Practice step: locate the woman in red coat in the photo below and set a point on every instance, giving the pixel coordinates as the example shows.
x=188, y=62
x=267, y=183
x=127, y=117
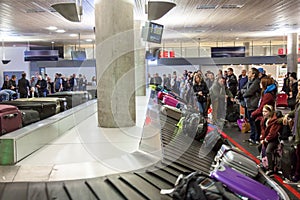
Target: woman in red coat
x=268, y=96
x=270, y=128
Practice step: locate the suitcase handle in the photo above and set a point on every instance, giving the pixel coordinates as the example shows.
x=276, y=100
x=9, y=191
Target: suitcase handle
x=9, y=116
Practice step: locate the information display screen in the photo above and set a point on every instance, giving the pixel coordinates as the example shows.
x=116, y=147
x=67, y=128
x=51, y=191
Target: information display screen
x=217, y=52
x=155, y=32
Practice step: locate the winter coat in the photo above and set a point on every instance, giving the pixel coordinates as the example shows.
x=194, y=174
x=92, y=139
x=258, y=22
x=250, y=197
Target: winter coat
x=268, y=98
x=232, y=84
x=201, y=87
x=252, y=94
x=271, y=131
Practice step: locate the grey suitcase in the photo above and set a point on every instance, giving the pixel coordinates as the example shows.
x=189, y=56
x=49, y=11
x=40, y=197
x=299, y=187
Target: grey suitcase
x=172, y=112
x=239, y=162
x=224, y=148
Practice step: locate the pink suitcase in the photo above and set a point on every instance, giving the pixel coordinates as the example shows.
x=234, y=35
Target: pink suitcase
x=10, y=119
x=160, y=95
x=170, y=101
x=282, y=100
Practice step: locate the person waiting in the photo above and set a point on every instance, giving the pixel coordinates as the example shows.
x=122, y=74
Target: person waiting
x=251, y=94
x=218, y=94
x=296, y=132
x=23, y=85
x=201, y=91
x=268, y=96
x=5, y=83
x=293, y=91
x=270, y=127
x=41, y=86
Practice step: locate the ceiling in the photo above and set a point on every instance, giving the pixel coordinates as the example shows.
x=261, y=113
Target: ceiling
x=205, y=20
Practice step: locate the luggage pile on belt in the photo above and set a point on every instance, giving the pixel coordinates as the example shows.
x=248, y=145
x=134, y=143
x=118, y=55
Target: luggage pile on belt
x=232, y=176
x=24, y=111
x=191, y=122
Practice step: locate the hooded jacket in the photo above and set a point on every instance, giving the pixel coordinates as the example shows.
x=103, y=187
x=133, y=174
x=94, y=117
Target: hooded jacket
x=267, y=98
x=271, y=131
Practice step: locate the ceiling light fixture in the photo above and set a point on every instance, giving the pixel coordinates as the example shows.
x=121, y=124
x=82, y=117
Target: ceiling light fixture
x=70, y=11
x=4, y=61
x=157, y=9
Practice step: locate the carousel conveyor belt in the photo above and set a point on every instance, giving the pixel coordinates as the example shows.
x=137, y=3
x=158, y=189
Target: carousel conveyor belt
x=180, y=155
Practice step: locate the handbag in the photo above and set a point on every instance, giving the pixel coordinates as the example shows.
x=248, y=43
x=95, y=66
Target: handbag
x=244, y=125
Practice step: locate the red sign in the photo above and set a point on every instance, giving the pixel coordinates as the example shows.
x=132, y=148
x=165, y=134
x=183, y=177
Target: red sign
x=281, y=51
x=172, y=54
x=165, y=54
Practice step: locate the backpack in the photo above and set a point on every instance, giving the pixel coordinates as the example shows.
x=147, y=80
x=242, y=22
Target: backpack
x=194, y=125
x=197, y=186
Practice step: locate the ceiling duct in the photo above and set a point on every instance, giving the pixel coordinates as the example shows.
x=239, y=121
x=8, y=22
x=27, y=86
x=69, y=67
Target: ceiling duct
x=70, y=11
x=207, y=7
x=157, y=9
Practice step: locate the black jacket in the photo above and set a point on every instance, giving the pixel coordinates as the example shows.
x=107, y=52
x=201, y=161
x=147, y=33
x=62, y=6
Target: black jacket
x=201, y=87
x=23, y=85
x=232, y=84
x=43, y=85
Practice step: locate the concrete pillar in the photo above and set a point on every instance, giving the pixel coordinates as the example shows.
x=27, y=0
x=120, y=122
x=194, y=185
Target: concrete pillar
x=139, y=56
x=247, y=54
x=115, y=63
x=292, y=51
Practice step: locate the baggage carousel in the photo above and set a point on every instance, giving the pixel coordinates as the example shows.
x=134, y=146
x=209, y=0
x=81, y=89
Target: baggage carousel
x=178, y=155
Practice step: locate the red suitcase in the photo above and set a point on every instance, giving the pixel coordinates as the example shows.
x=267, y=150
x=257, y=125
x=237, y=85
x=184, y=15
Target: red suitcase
x=10, y=119
x=282, y=100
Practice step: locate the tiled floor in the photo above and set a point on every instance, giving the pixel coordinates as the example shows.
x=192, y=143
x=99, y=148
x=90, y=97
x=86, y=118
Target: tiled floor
x=85, y=151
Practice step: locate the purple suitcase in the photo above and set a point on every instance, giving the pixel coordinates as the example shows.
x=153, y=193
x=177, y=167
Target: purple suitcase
x=168, y=100
x=10, y=119
x=242, y=184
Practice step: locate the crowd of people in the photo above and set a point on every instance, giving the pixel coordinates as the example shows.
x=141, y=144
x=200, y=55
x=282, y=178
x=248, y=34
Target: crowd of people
x=255, y=91
x=38, y=86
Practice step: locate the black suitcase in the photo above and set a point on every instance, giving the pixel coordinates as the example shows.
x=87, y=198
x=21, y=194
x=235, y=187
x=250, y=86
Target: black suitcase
x=61, y=103
x=29, y=116
x=233, y=112
x=74, y=98
x=288, y=160
x=45, y=109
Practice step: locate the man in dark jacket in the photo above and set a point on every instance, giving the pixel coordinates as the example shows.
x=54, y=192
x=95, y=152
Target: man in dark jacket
x=41, y=85
x=251, y=93
x=286, y=83
x=12, y=83
x=232, y=82
x=6, y=83
x=23, y=85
